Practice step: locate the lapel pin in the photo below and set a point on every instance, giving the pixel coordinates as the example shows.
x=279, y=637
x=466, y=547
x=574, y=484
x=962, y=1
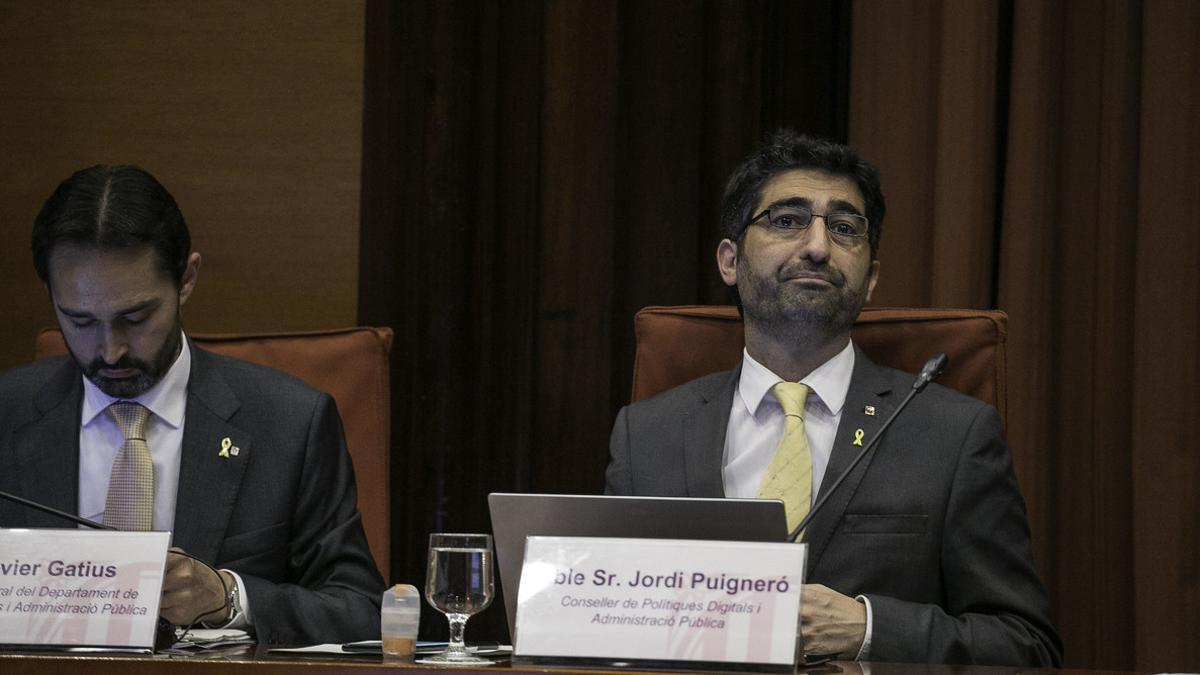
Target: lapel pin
x=858, y=436
x=869, y=411
x=228, y=448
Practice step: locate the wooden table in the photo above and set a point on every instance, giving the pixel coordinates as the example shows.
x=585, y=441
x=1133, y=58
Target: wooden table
x=256, y=661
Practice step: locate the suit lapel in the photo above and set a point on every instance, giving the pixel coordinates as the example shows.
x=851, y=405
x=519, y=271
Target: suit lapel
x=704, y=427
x=211, y=469
x=868, y=387
x=47, y=455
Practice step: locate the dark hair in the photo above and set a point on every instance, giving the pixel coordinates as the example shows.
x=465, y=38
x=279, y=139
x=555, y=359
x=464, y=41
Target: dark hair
x=785, y=150
x=112, y=207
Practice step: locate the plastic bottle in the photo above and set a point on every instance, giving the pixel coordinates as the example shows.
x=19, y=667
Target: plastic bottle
x=399, y=617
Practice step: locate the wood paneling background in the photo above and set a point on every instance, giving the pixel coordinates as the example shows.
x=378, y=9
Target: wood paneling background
x=249, y=113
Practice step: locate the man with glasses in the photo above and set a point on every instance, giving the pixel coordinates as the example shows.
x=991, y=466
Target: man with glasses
x=924, y=554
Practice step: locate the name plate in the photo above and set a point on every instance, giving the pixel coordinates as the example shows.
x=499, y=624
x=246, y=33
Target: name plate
x=656, y=602
x=80, y=588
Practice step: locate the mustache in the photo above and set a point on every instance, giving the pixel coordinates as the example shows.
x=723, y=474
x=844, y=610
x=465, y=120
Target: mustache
x=122, y=363
x=807, y=267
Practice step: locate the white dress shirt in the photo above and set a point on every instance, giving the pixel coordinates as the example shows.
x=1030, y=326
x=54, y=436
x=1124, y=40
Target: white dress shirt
x=757, y=423
x=100, y=439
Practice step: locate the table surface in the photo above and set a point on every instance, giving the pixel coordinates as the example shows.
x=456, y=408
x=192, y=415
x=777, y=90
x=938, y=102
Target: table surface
x=254, y=660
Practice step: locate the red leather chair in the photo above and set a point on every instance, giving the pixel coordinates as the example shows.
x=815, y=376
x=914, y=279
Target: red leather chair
x=677, y=344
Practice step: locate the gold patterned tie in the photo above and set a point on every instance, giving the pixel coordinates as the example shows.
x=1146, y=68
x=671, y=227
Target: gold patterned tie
x=789, y=476
x=130, y=502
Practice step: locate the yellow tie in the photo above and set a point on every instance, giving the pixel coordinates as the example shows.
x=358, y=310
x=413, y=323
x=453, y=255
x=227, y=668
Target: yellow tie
x=130, y=502
x=789, y=477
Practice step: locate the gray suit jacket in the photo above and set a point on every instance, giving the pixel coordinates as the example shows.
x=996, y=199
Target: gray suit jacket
x=930, y=526
x=282, y=513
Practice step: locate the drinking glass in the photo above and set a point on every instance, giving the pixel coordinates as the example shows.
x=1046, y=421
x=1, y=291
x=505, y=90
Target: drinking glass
x=459, y=584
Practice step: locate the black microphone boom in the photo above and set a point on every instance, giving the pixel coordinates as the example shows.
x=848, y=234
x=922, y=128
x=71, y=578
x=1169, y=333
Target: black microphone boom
x=931, y=371
x=55, y=512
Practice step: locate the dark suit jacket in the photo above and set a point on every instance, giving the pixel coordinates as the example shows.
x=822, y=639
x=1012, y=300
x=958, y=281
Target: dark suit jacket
x=282, y=513
x=930, y=526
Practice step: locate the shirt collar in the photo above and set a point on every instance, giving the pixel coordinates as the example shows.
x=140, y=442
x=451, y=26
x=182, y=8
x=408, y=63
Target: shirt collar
x=167, y=399
x=830, y=381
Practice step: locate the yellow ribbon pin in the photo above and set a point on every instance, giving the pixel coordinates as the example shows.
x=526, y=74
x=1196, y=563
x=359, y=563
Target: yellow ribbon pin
x=858, y=436
x=225, y=445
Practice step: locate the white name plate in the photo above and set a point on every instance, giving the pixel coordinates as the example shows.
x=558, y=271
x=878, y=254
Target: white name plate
x=654, y=602
x=93, y=588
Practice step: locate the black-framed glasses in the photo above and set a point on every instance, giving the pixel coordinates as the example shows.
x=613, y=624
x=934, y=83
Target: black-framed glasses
x=847, y=228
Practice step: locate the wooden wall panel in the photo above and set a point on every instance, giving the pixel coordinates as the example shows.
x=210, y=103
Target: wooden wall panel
x=249, y=113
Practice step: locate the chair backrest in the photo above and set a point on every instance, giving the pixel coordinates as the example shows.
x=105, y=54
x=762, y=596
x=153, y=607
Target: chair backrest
x=678, y=344
x=349, y=364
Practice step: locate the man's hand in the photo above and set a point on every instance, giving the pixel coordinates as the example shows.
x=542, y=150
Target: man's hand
x=831, y=623
x=190, y=589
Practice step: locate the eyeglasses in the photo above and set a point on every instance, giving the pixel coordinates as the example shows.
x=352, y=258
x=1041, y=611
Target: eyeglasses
x=845, y=228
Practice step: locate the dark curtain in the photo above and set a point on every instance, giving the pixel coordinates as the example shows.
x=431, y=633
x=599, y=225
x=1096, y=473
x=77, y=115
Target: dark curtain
x=536, y=171
x=1039, y=155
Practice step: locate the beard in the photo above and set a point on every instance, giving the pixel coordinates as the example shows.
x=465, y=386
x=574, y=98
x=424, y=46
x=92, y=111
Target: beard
x=149, y=372
x=799, y=312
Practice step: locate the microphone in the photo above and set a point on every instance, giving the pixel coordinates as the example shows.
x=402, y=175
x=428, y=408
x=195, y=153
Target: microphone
x=164, y=631
x=929, y=372
x=932, y=370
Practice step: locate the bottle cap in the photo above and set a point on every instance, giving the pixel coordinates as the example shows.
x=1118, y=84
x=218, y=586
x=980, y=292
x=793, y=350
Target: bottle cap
x=402, y=598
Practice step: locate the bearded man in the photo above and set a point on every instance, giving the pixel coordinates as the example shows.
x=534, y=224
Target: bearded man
x=923, y=554
x=140, y=429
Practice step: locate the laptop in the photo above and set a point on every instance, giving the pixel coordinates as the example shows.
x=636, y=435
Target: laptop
x=517, y=516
